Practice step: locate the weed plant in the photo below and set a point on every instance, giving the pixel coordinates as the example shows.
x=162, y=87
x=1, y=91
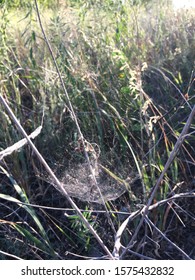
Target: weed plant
x=129, y=72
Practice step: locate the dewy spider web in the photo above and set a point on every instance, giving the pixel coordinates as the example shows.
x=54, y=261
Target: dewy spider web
x=78, y=182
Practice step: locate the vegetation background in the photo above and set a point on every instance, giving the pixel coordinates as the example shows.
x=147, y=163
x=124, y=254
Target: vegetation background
x=128, y=68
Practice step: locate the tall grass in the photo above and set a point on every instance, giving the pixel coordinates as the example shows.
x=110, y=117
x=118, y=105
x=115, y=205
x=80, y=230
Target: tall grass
x=129, y=73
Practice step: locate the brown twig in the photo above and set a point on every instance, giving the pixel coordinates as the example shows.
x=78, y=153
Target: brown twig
x=166, y=238
x=57, y=182
x=74, y=117
x=145, y=209
x=117, y=245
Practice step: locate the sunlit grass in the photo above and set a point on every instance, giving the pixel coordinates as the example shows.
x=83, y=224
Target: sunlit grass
x=129, y=73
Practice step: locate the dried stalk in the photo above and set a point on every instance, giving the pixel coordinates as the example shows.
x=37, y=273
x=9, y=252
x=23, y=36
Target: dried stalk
x=117, y=245
x=57, y=182
x=166, y=238
x=70, y=107
x=146, y=208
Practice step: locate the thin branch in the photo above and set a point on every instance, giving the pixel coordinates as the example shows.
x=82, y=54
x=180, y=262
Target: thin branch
x=118, y=245
x=71, y=109
x=57, y=182
x=153, y=206
x=10, y=255
x=174, y=152
x=166, y=238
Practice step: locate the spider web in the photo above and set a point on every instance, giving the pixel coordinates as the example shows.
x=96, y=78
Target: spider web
x=78, y=182
x=72, y=170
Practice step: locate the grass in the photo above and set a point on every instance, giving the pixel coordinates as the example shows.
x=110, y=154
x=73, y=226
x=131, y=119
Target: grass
x=129, y=74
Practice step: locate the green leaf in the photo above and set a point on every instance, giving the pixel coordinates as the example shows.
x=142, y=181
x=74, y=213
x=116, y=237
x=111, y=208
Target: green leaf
x=27, y=234
x=24, y=199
